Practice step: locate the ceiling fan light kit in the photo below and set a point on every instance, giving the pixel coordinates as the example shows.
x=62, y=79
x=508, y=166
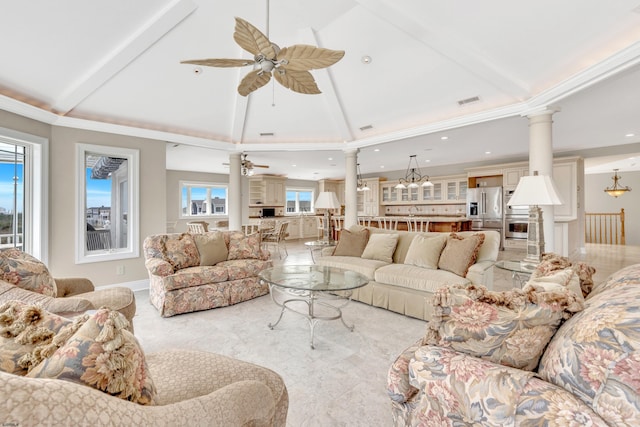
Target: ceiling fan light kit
x=289, y=66
x=413, y=177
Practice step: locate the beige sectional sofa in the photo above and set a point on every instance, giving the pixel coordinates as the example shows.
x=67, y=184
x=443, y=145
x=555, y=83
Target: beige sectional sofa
x=406, y=285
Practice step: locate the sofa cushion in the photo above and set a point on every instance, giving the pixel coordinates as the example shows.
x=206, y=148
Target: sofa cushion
x=595, y=354
x=425, y=251
x=211, y=247
x=511, y=328
x=460, y=253
x=242, y=246
x=195, y=276
x=352, y=243
x=26, y=272
x=24, y=326
x=418, y=278
x=244, y=268
x=102, y=354
x=363, y=266
x=179, y=250
x=63, y=306
x=381, y=247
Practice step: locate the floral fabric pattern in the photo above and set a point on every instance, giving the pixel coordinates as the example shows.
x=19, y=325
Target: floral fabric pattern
x=511, y=328
x=243, y=246
x=26, y=272
x=182, y=290
x=596, y=355
x=102, y=354
x=178, y=249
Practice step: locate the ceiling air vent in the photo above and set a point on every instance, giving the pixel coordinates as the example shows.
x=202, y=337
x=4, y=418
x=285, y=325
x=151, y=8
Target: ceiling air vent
x=468, y=101
x=367, y=127
x=266, y=133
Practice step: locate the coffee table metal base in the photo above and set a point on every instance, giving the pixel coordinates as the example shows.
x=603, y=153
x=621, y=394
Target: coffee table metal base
x=313, y=300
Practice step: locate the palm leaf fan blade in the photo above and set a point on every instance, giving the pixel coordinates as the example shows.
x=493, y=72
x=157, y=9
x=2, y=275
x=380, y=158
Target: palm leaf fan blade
x=252, y=81
x=221, y=62
x=297, y=81
x=302, y=57
x=252, y=40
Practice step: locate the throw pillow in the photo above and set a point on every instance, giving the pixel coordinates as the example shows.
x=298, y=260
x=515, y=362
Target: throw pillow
x=242, y=246
x=460, y=253
x=102, y=354
x=381, y=247
x=23, y=327
x=180, y=250
x=212, y=247
x=511, y=328
x=552, y=262
x=558, y=281
x=352, y=243
x=425, y=251
x=26, y=272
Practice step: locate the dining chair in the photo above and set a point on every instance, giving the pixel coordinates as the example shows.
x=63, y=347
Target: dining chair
x=277, y=238
x=387, y=223
x=198, y=227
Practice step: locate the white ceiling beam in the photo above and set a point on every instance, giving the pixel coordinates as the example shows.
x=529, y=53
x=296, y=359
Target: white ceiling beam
x=328, y=89
x=148, y=34
x=437, y=36
x=241, y=107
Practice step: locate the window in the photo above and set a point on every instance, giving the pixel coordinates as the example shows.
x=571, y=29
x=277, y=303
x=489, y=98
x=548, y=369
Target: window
x=299, y=200
x=108, y=213
x=202, y=199
x=23, y=160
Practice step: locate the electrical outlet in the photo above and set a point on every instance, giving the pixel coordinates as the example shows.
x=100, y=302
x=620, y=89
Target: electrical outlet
x=120, y=270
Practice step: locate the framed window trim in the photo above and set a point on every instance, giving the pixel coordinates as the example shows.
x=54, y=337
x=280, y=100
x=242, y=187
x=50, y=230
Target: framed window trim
x=189, y=184
x=299, y=190
x=132, y=249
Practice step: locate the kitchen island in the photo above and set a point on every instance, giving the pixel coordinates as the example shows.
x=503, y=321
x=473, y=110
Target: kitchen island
x=435, y=222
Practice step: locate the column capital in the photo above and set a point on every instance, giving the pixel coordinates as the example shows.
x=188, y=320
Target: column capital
x=546, y=111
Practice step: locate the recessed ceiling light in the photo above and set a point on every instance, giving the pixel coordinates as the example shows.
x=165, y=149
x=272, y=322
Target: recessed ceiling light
x=382, y=167
x=427, y=160
x=630, y=135
x=487, y=152
x=366, y=59
x=293, y=166
x=197, y=70
x=330, y=158
x=376, y=150
x=444, y=138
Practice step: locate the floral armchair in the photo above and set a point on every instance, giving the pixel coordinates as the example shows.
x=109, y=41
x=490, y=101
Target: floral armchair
x=587, y=375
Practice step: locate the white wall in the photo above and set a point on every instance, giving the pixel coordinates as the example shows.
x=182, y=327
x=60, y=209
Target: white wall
x=597, y=201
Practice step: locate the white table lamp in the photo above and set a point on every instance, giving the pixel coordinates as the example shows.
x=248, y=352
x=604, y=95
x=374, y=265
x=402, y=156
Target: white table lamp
x=327, y=200
x=534, y=191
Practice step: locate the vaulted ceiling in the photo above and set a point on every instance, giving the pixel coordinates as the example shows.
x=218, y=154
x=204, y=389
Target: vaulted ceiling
x=467, y=70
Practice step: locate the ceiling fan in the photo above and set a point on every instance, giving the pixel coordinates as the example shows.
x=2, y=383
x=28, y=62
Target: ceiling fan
x=246, y=166
x=290, y=65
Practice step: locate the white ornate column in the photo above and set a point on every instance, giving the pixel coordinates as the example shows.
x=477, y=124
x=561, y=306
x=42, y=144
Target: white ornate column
x=541, y=160
x=235, y=192
x=350, y=188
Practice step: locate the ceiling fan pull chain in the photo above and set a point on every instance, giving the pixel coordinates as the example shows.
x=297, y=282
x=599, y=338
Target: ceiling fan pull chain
x=273, y=93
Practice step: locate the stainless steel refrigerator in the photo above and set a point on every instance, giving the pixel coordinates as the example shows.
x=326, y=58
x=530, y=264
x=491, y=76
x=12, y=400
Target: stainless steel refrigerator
x=484, y=207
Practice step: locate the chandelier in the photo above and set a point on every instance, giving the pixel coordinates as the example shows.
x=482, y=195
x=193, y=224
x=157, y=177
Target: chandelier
x=616, y=190
x=362, y=186
x=414, y=178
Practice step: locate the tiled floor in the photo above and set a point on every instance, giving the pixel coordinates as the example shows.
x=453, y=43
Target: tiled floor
x=343, y=381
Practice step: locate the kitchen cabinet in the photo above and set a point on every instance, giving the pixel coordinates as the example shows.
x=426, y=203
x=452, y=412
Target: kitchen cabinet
x=456, y=190
x=511, y=176
x=309, y=226
x=369, y=201
x=389, y=193
x=266, y=191
x=294, y=228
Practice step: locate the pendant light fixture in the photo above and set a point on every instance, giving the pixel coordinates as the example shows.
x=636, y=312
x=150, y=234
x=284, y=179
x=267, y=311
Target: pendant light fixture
x=413, y=177
x=362, y=186
x=616, y=190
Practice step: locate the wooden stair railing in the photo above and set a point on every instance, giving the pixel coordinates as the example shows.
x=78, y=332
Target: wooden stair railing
x=605, y=228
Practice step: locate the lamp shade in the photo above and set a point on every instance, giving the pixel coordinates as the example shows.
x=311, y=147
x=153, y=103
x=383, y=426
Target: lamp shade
x=535, y=190
x=327, y=200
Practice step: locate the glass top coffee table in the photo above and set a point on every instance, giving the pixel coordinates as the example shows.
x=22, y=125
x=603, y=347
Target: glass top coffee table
x=319, y=245
x=315, y=292
x=520, y=273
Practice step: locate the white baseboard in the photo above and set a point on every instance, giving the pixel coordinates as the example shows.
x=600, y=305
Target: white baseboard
x=135, y=286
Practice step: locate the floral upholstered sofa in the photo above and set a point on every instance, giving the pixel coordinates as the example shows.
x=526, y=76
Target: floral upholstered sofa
x=588, y=374
x=192, y=272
